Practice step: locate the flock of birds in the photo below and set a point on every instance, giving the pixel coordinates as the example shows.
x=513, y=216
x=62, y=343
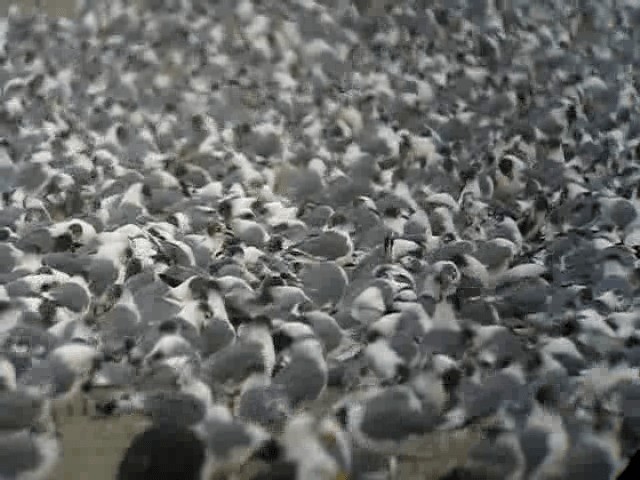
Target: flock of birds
x=226, y=211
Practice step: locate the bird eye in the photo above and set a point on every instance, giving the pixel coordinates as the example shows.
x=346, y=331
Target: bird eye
x=157, y=356
x=206, y=310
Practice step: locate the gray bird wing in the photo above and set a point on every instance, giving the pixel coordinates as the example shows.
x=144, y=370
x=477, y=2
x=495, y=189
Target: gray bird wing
x=70, y=295
x=390, y=416
x=302, y=378
x=18, y=410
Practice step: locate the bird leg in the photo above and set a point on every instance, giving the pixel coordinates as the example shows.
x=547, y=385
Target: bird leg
x=85, y=389
x=85, y=405
x=55, y=417
x=393, y=467
x=388, y=246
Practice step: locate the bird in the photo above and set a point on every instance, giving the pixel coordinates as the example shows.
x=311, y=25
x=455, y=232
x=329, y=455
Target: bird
x=252, y=353
x=166, y=450
x=629, y=470
x=66, y=371
x=383, y=420
x=325, y=283
x=425, y=214
x=229, y=441
x=264, y=403
x=333, y=243
x=29, y=453
x=317, y=447
x=161, y=406
x=301, y=366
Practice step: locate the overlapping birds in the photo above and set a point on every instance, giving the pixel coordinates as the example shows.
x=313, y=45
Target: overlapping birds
x=225, y=211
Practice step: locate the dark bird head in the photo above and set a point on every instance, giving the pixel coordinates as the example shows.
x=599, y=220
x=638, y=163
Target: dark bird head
x=197, y=123
x=281, y=341
x=215, y=228
x=232, y=249
x=451, y=379
x=342, y=416
x=448, y=237
x=469, y=173
x=146, y=190
x=337, y=219
x=468, y=334
x=571, y=114
x=121, y=134
x=448, y=164
x=275, y=244
x=165, y=450
x=586, y=295
x=129, y=343
x=134, y=267
x=392, y=211
x=403, y=373
x=490, y=159
x=63, y=242
x=373, y=336
x=459, y=260
x=569, y=326
x=225, y=209
x=76, y=230
x=506, y=167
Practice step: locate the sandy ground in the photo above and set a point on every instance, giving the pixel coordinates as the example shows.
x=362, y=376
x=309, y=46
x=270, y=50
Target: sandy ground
x=92, y=447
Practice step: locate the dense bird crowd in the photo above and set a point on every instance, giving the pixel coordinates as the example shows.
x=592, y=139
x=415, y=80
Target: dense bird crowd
x=225, y=211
